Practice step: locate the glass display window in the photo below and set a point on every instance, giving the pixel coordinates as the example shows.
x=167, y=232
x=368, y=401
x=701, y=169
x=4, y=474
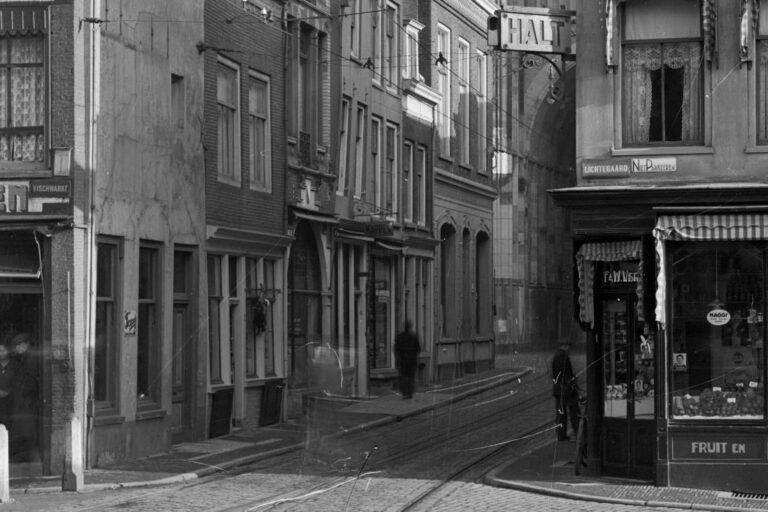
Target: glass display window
x=717, y=361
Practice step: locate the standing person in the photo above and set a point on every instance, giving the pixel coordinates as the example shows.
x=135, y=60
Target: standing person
x=26, y=396
x=565, y=389
x=7, y=381
x=407, y=349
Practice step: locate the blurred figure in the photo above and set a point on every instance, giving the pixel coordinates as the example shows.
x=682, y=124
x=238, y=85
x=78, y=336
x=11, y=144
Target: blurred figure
x=565, y=389
x=7, y=381
x=407, y=350
x=26, y=394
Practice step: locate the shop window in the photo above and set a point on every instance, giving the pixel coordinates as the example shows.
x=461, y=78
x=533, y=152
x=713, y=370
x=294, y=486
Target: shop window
x=662, y=73
x=23, y=110
x=215, y=298
x=148, y=342
x=259, y=327
x=228, y=101
x=717, y=359
x=105, y=354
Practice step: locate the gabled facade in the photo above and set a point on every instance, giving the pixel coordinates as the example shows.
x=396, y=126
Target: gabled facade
x=310, y=186
x=670, y=238
x=145, y=351
x=382, y=158
x=244, y=54
x=455, y=62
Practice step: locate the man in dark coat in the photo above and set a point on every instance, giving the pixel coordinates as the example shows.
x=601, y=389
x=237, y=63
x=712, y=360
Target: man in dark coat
x=565, y=389
x=407, y=349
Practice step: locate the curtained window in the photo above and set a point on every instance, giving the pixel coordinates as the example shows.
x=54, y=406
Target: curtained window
x=762, y=74
x=22, y=84
x=661, y=74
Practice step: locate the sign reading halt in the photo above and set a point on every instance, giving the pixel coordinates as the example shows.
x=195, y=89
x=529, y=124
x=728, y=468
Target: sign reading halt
x=532, y=30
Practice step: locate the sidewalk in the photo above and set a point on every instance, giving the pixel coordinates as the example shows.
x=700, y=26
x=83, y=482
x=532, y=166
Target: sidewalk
x=188, y=461
x=550, y=470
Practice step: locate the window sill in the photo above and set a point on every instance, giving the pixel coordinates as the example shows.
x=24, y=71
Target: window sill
x=263, y=190
x=756, y=149
x=446, y=158
x=663, y=150
x=259, y=382
x=229, y=181
x=383, y=374
x=107, y=418
x=150, y=414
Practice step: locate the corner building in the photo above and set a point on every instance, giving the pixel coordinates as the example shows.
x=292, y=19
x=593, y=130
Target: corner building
x=670, y=225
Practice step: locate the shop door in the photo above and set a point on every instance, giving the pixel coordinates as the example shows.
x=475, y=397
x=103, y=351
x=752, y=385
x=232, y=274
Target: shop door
x=628, y=391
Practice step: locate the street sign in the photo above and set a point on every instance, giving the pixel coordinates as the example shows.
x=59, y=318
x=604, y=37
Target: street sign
x=532, y=30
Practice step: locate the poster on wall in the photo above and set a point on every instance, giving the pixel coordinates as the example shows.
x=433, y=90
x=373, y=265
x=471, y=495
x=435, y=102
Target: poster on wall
x=129, y=327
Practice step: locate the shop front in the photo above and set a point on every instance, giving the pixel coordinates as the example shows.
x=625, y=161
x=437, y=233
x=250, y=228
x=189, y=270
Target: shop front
x=674, y=320
x=621, y=367
x=711, y=304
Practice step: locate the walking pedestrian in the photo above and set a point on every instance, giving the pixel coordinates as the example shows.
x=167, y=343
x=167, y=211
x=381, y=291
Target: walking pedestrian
x=565, y=389
x=407, y=349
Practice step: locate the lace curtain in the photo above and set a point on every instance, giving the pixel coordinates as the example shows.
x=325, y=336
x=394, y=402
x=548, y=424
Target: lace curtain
x=638, y=61
x=23, y=83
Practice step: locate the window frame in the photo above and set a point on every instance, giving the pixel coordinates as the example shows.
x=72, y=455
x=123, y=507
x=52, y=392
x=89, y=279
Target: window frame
x=342, y=179
x=377, y=128
x=411, y=68
x=355, y=29
x=110, y=403
x=214, y=269
x=419, y=173
x=671, y=403
x=481, y=164
x=444, y=118
x=409, y=153
x=392, y=169
x=390, y=42
x=463, y=84
x=360, y=161
x=265, y=183
x=224, y=177
x=46, y=162
x=621, y=147
x=152, y=399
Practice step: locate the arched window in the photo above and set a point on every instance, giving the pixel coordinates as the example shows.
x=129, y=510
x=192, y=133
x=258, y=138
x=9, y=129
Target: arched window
x=483, y=283
x=447, y=279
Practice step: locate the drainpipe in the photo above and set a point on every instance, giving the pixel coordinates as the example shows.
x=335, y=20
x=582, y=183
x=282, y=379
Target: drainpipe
x=91, y=226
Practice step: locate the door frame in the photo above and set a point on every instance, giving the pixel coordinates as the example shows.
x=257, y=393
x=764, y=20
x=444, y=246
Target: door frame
x=626, y=436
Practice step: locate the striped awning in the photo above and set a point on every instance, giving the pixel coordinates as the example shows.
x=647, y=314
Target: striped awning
x=586, y=257
x=23, y=20
x=705, y=227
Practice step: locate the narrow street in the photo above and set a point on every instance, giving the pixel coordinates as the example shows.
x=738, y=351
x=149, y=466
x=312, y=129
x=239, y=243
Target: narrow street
x=433, y=461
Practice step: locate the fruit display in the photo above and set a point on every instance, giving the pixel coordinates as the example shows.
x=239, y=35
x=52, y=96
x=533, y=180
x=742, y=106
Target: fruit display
x=714, y=402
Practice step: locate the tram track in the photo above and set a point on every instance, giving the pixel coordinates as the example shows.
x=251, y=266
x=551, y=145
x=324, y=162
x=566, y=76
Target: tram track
x=455, y=439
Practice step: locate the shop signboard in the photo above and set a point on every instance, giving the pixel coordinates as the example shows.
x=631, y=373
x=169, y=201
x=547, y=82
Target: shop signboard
x=718, y=317
x=654, y=165
x=605, y=168
x=44, y=196
x=717, y=447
